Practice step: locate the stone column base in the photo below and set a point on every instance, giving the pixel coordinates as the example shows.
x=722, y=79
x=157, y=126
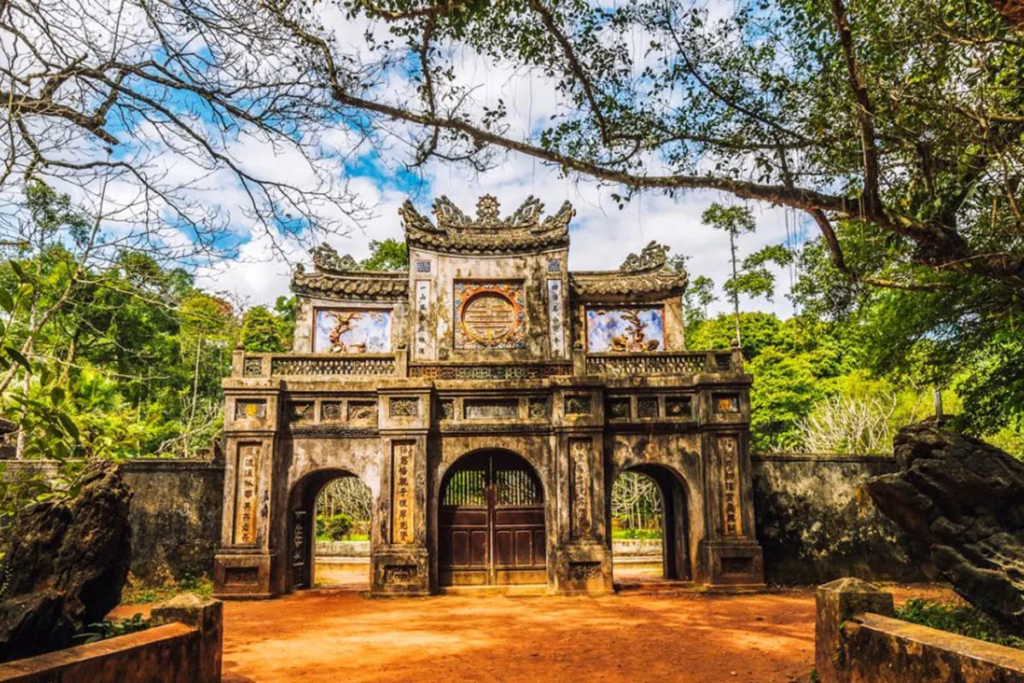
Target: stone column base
x=242, y=575
x=400, y=570
x=733, y=565
x=583, y=569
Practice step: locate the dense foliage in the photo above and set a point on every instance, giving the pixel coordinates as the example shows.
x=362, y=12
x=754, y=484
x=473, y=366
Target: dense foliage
x=118, y=355
x=814, y=388
x=962, y=619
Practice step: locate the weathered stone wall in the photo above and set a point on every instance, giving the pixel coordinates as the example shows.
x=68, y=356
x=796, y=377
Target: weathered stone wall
x=175, y=513
x=176, y=516
x=813, y=519
x=816, y=522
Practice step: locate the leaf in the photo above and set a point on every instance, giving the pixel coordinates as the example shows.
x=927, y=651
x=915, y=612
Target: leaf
x=6, y=301
x=16, y=355
x=16, y=267
x=57, y=396
x=69, y=425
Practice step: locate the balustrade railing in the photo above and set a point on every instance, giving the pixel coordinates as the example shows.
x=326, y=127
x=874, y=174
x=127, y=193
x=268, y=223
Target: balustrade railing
x=319, y=365
x=489, y=371
x=662, y=363
x=394, y=365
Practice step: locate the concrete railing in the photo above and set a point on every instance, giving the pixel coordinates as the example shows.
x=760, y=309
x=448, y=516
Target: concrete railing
x=186, y=648
x=637, y=547
x=360, y=549
x=858, y=640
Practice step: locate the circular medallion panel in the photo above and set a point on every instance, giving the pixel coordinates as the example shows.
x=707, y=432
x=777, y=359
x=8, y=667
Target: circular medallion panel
x=489, y=316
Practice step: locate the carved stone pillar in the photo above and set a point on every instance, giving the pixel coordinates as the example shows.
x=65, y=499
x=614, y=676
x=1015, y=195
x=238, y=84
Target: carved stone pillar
x=244, y=566
x=731, y=555
x=401, y=563
x=582, y=561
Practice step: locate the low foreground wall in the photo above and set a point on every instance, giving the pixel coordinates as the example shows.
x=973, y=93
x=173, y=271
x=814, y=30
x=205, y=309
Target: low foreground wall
x=816, y=522
x=857, y=640
x=185, y=649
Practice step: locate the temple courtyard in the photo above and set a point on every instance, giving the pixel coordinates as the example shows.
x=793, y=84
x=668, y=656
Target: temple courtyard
x=653, y=633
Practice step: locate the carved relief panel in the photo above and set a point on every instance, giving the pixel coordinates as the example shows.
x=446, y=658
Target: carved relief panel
x=579, y=480
x=246, y=493
x=403, y=498
x=728, y=448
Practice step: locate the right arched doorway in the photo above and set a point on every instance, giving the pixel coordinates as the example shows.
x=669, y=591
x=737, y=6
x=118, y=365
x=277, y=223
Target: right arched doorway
x=491, y=522
x=649, y=525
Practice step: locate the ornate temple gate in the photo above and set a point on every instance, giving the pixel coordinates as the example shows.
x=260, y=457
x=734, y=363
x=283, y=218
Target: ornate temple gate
x=488, y=345
x=492, y=522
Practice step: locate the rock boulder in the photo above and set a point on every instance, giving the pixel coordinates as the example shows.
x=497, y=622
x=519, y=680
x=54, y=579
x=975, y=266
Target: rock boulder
x=66, y=566
x=963, y=500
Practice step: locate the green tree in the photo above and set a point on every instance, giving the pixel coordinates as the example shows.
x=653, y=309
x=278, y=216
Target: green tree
x=389, y=254
x=784, y=392
x=262, y=331
x=759, y=331
x=734, y=221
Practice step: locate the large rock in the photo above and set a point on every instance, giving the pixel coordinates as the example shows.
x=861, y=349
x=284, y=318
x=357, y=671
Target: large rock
x=65, y=566
x=964, y=500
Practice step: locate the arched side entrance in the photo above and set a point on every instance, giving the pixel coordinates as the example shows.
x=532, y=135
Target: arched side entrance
x=673, y=522
x=302, y=527
x=491, y=522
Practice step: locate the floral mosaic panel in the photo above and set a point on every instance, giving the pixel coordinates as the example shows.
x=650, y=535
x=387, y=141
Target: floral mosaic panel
x=344, y=330
x=625, y=330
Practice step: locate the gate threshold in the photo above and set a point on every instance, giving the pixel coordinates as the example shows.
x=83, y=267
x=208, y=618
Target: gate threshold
x=520, y=590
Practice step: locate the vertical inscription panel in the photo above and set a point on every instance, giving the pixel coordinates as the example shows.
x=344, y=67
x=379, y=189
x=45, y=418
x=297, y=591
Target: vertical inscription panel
x=246, y=486
x=728, y=449
x=579, y=479
x=423, y=333
x=403, y=494
x=556, y=318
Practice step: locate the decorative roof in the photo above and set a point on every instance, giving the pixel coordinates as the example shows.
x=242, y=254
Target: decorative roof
x=337, y=276
x=327, y=260
x=488, y=233
x=643, y=275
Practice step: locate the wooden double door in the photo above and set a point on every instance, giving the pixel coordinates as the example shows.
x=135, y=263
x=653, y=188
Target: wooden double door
x=492, y=522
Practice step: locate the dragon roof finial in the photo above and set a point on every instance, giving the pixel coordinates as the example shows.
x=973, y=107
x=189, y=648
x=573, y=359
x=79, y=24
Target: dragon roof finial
x=652, y=257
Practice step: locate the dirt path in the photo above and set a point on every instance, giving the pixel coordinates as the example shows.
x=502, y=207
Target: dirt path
x=340, y=635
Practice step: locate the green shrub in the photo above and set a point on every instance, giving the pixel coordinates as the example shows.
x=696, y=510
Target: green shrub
x=966, y=621
x=338, y=527
x=111, y=628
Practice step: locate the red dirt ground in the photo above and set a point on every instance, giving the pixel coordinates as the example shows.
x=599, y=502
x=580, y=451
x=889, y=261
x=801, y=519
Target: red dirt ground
x=668, y=635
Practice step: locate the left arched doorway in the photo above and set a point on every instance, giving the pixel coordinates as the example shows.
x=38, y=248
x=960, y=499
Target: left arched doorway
x=492, y=522
x=330, y=521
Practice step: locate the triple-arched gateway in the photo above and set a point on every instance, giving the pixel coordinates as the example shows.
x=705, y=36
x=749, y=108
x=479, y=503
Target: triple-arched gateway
x=488, y=398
